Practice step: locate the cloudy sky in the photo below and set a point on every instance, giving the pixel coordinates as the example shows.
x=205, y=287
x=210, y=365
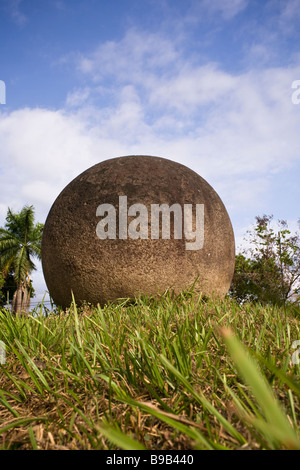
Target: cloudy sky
x=207, y=83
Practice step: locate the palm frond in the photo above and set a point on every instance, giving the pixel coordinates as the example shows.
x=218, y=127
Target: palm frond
x=35, y=250
x=20, y=241
x=20, y=224
x=21, y=265
x=9, y=247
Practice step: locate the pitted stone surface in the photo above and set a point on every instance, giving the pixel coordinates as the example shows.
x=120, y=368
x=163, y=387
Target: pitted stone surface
x=97, y=271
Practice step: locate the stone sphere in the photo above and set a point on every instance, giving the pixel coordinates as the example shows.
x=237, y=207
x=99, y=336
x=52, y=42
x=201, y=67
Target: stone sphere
x=136, y=225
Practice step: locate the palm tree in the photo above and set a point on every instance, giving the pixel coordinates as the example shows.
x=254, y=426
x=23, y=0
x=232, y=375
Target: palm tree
x=20, y=240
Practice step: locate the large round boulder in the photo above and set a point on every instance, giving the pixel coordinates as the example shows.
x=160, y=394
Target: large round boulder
x=136, y=225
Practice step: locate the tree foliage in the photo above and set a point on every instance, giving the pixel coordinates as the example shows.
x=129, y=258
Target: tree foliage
x=269, y=271
x=20, y=241
x=8, y=287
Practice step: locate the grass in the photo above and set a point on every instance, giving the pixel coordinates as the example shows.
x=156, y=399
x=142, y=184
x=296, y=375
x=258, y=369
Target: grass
x=170, y=374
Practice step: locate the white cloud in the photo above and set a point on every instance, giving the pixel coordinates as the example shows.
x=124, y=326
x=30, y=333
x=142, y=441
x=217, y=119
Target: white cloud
x=192, y=87
x=60, y=5
x=226, y=126
x=41, y=150
x=39, y=192
x=131, y=59
x=77, y=97
x=143, y=96
x=289, y=16
x=227, y=8
x=15, y=12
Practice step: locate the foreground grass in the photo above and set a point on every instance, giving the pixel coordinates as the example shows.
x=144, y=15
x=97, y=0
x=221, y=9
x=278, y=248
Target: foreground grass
x=178, y=373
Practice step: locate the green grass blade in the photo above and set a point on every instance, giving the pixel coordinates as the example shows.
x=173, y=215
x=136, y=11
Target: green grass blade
x=32, y=438
x=34, y=368
x=118, y=438
x=279, y=373
x=205, y=403
x=76, y=319
x=187, y=430
x=21, y=422
x=5, y=403
x=279, y=426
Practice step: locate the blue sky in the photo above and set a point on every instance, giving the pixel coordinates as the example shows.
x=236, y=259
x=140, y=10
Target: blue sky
x=207, y=83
